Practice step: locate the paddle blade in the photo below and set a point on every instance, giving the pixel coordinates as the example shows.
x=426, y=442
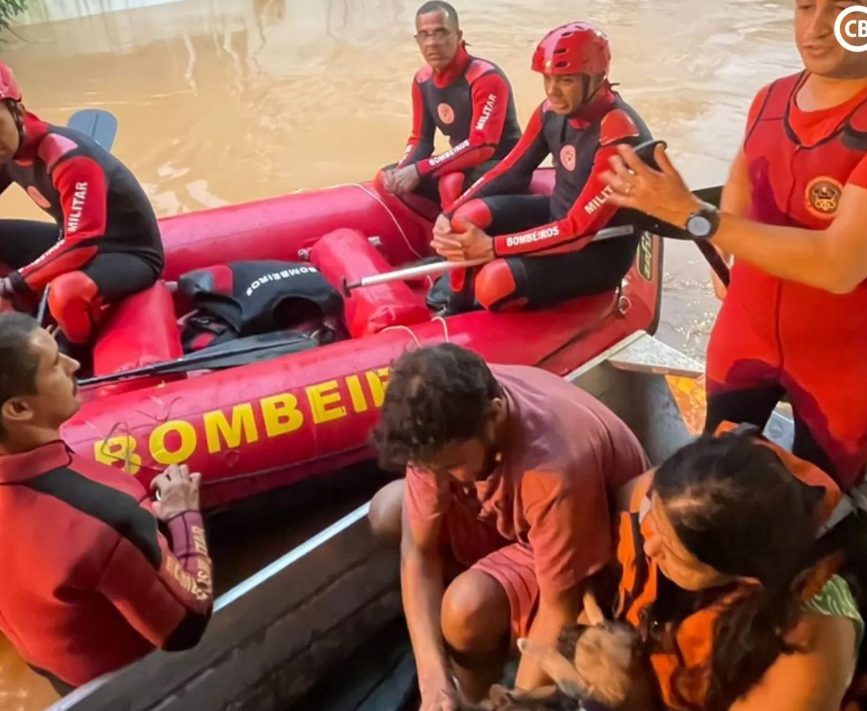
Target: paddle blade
x=99, y=124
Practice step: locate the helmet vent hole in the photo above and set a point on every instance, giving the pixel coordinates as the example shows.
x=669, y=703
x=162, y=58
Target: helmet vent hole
x=560, y=50
x=567, y=34
x=561, y=64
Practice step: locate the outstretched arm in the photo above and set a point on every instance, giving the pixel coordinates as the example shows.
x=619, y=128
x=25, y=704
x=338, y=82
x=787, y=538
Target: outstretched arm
x=834, y=259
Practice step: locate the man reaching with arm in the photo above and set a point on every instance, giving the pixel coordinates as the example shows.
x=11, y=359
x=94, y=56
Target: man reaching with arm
x=508, y=476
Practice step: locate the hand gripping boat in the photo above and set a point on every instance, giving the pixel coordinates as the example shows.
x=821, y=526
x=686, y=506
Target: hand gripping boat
x=278, y=411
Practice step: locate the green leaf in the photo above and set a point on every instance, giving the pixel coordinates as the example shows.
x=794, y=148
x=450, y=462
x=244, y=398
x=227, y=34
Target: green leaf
x=8, y=10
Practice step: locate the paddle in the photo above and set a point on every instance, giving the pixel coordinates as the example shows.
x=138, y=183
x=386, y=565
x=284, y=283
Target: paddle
x=430, y=268
x=713, y=196
x=646, y=223
x=227, y=355
x=98, y=124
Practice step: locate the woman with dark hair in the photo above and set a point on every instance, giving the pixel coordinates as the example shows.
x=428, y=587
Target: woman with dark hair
x=745, y=569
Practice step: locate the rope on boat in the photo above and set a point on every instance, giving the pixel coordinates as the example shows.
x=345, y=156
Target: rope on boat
x=445, y=327
x=384, y=207
x=390, y=214
x=403, y=328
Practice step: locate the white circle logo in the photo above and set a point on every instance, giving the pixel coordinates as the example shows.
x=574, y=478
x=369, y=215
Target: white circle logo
x=851, y=28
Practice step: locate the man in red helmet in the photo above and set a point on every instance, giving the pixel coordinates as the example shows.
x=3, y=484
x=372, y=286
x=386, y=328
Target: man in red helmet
x=536, y=242
x=467, y=99
x=108, y=245
x=794, y=320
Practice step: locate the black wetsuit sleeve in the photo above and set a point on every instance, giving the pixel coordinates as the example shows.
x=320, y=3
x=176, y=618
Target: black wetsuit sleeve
x=514, y=173
x=81, y=184
x=421, y=142
x=490, y=94
x=591, y=211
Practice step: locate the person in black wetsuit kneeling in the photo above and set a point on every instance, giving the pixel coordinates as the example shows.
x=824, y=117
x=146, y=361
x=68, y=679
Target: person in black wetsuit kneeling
x=537, y=243
x=469, y=100
x=108, y=243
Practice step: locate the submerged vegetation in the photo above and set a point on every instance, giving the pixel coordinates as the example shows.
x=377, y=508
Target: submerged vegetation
x=8, y=10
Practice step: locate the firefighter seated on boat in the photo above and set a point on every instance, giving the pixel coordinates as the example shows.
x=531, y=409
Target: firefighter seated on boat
x=536, y=244
x=468, y=99
x=743, y=570
x=89, y=584
x=104, y=244
x=503, y=512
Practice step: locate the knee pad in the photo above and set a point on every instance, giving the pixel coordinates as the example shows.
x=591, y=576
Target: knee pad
x=76, y=305
x=450, y=187
x=475, y=211
x=497, y=287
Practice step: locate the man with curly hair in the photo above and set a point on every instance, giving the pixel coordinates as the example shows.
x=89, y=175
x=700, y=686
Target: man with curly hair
x=509, y=474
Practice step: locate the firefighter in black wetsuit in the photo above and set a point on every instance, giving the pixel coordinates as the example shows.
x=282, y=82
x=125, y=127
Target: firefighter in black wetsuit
x=467, y=99
x=536, y=242
x=108, y=245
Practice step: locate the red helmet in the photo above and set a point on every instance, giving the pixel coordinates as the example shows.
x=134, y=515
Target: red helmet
x=9, y=88
x=574, y=48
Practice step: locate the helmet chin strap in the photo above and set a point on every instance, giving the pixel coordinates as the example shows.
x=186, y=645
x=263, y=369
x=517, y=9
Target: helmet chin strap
x=588, y=98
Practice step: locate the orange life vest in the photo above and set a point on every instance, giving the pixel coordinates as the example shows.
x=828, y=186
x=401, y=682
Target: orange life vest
x=690, y=647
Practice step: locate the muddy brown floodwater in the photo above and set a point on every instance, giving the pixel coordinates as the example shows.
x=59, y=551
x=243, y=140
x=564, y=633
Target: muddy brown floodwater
x=222, y=101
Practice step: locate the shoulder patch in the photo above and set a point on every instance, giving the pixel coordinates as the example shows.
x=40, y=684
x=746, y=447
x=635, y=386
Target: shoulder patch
x=616, y=126
x=477, y=68
x=424, y=74
x=53, y=147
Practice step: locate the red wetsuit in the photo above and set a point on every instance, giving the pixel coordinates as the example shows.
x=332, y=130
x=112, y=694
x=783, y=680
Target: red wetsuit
x=471, y=102
x=88, y=582
x=775, y=336
x=108, y=245
x=538, y=226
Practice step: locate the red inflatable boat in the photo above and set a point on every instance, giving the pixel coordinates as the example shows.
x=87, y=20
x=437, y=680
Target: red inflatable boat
x=268, y=423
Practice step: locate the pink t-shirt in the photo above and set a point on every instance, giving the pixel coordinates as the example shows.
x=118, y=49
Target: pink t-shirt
x=565, y=452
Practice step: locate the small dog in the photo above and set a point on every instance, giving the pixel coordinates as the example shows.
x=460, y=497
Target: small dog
x=609, y=670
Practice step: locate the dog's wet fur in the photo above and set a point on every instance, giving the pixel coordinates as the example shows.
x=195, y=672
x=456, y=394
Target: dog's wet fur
x=612, y=673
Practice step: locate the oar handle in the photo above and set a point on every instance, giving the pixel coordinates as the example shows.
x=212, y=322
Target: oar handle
x=717, y=263
x=43, y=306
x=407, y=273
x=423, y=270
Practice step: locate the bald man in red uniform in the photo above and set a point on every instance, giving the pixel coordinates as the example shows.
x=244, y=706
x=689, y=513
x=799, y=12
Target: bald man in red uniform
x=467, y=99
x=794, y=320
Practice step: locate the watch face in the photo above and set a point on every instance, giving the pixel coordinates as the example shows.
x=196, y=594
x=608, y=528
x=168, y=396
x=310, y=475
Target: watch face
x=699, y=226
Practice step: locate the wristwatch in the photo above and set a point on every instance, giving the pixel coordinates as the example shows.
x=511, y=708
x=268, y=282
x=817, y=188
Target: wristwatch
x=703, y=223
